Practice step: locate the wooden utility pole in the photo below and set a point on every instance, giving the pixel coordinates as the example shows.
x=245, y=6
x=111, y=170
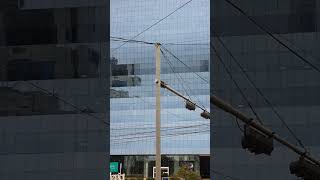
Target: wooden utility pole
x=158, y=112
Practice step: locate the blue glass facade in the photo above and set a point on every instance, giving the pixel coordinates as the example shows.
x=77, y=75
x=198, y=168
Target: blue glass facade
x=133, y=75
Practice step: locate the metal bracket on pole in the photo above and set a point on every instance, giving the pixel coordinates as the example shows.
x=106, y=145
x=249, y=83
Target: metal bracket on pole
x=247, y=120
x=166, y=86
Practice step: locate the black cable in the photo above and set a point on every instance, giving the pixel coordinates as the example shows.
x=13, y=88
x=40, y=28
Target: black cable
x=140, y=138
x=63, y=100
x=189, y=126
x=186, y=44
x=117, y=40
x=205, y=80
x=66, y=102
x=176, y=115
x=152, y=125
x=153, y=25
x=136, y=138
x=183, y=81
x=167, y=135
x=272, y=36
x=260, y=92
x=135, y=134
x=121, y=39
x=236, y=84
x=239, y=125
x=299, y=48
x=172, y=69
x=114, y=38
x=171, y=128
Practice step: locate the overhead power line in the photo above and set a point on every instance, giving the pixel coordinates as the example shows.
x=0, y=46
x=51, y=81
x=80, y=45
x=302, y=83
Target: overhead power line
x=183, y=82
x=297, y=47
x=260, y=92
x=183, y=5
x=186, y=44
x=164, y=130
x=272, y=36
x=172, y=69
x=168, y=127
x=189, y=104
x=66, y=102
x=205, y=80
x=151, y=134
x=236, y=84
x=239, y=127
x=166, y=135
x=81, y=111
x=121, y=39
x=152, y=105
x=265, y=144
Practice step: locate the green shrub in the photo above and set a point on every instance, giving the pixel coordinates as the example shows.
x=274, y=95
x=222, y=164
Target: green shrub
x=187, y=174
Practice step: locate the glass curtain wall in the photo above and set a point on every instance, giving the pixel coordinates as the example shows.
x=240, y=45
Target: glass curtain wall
x=53, y=89
x=287, y=82
x=185, y=34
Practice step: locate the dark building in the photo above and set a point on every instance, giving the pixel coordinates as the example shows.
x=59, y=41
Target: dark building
x=291, y=85
x=54, y=121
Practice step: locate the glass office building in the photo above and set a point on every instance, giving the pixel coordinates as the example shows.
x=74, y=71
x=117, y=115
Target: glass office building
x=53, y=90
x=185, y=134
x=291, y=85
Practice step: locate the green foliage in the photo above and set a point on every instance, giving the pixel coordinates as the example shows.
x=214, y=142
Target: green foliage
x=187, y=174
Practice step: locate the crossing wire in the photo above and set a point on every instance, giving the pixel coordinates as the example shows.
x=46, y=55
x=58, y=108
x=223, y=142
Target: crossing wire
x=183, y=82
x=180, y=7
x=273, y=36
x=188, y=126
x=121, y=39
x=145, y=42
x=152, y=105
x=172, y=69
x=146, y=133
x=81, y=111
x=173, y=55
x=236, y=84
x=136, y=135
x=239, y=125
x=142, y=138
x=261, y=93
x=297, y=47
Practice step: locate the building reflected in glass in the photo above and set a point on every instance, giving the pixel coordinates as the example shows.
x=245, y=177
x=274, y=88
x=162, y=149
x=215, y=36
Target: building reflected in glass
x=53, y=89
x=185, y=135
